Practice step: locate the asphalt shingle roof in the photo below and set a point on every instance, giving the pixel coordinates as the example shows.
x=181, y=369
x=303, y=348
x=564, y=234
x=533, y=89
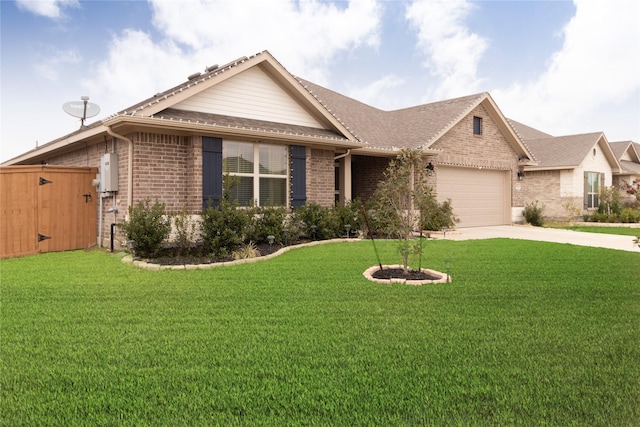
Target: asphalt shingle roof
x=527, y=133
x=409, y=127
x=560, y=151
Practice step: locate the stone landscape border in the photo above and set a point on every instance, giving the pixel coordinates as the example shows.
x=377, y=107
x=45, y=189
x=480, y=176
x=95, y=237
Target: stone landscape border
x=443, y=278
x=129, y=259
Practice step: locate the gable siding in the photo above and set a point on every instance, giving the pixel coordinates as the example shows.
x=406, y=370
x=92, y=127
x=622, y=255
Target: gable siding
x=251, y=94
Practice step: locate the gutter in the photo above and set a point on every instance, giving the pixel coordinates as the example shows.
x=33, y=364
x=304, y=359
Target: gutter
x=342, y=155
x=129, y=165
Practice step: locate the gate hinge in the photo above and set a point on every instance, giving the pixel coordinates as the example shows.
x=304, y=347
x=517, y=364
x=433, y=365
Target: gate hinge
x=44, y=181
x=42, y=237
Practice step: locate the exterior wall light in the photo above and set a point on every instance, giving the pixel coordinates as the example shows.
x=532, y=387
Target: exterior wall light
x=520, y=175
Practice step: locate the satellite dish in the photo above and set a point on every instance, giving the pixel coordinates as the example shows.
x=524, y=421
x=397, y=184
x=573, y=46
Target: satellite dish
x=82, y=110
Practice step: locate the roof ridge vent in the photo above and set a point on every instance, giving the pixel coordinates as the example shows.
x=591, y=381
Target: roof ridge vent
x=211, y=68
x=194, y=75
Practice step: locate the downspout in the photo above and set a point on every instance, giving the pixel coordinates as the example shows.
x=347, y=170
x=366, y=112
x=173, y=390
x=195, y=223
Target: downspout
x=342, y=155
x=129, y=165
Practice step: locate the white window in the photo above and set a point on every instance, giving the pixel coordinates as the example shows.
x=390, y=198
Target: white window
x=592, y=190
x=261, y=169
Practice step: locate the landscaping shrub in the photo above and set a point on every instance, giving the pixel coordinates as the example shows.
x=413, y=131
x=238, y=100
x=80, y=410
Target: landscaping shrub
x=348, y=214
x=610, y=201
x=223, y=226
x=318, y=222
x=603, y=217
x=266, y=221
x=184, y=229
x=533, y=214
x=148, y=227
x=246, y=251
x=435, y=216
x=629, y=215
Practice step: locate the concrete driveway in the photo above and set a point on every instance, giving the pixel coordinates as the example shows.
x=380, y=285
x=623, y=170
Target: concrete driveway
x=525, y=232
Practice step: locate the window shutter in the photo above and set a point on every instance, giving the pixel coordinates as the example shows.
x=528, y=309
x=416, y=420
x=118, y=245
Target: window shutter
x=298, y=175
x=586, y=190
x=211, y=171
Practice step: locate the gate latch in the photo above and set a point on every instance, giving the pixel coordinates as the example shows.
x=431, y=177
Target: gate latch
x=87, y=197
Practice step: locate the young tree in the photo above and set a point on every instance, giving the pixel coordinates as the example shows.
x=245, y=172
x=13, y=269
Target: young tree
x=397, y=200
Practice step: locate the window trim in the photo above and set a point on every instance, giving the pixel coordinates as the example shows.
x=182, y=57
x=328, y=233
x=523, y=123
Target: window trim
x=592, y=198
x=256, y=175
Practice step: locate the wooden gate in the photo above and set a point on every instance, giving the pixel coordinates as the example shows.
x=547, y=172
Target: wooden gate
x=46, y=209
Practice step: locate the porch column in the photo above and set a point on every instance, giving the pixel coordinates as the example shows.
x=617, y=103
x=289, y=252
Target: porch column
x=345, y=179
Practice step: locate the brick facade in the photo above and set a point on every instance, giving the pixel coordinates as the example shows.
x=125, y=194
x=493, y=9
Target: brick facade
x=163, y=169
x=321, y=176
x=461, y=147
x=168, y=168
x=543, y=186
x=490, y=150
x=367, y=172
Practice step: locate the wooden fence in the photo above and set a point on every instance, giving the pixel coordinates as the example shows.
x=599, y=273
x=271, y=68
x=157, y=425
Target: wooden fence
x=46, y=209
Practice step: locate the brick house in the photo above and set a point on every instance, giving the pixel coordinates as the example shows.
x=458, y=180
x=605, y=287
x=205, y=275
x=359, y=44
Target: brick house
x=628, y=155
x=290, y=142
x=571, y=170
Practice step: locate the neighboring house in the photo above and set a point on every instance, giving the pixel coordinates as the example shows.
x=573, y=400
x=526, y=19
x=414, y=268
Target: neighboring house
x=628, y=155
x=291, y=142
x=571, y=171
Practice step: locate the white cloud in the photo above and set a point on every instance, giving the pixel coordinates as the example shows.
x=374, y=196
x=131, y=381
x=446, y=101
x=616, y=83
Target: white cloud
x=593, y=82
x=452, y=51
x=48, y=8
x=136, y=68
x=305, y=34
x=51, y=65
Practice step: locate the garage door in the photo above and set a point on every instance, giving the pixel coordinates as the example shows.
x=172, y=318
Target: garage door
x=479, y=196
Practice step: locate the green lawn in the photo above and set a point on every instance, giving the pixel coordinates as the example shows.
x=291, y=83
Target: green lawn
x=621, y=230
x=528, y=333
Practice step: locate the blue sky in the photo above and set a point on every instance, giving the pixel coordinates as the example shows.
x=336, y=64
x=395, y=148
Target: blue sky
x=564, y=67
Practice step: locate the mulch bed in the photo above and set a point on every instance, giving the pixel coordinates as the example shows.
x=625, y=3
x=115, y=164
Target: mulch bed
x=399, y=273
x=198, y=255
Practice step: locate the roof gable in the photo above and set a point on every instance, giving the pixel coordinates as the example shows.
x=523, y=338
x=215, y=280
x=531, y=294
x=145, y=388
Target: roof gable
x=568, y=152
x=251, y=94
x=415, y=127
x=626, y=150
x=209, y=92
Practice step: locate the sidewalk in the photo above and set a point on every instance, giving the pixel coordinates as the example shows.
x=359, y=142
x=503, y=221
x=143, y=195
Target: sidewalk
x=554, y=235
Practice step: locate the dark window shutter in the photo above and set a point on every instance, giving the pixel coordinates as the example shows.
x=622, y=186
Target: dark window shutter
x=601, y=189
x=586, y=190
x=211, y=171
x=298, y=175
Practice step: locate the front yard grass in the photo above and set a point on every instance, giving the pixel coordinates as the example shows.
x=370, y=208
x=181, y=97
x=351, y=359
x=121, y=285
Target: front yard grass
x=619, y=230
x=528, y=333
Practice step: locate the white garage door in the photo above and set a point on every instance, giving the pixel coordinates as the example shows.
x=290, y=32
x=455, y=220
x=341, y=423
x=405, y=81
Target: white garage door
x=478, y=196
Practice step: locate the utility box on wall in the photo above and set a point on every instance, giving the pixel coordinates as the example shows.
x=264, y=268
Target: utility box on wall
x=109, y=173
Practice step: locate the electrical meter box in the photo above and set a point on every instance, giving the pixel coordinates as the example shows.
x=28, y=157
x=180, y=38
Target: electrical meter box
x=109, y=173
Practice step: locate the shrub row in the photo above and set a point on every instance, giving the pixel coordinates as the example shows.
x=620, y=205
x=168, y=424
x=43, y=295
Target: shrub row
x=223, y=229
x=625, y=215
